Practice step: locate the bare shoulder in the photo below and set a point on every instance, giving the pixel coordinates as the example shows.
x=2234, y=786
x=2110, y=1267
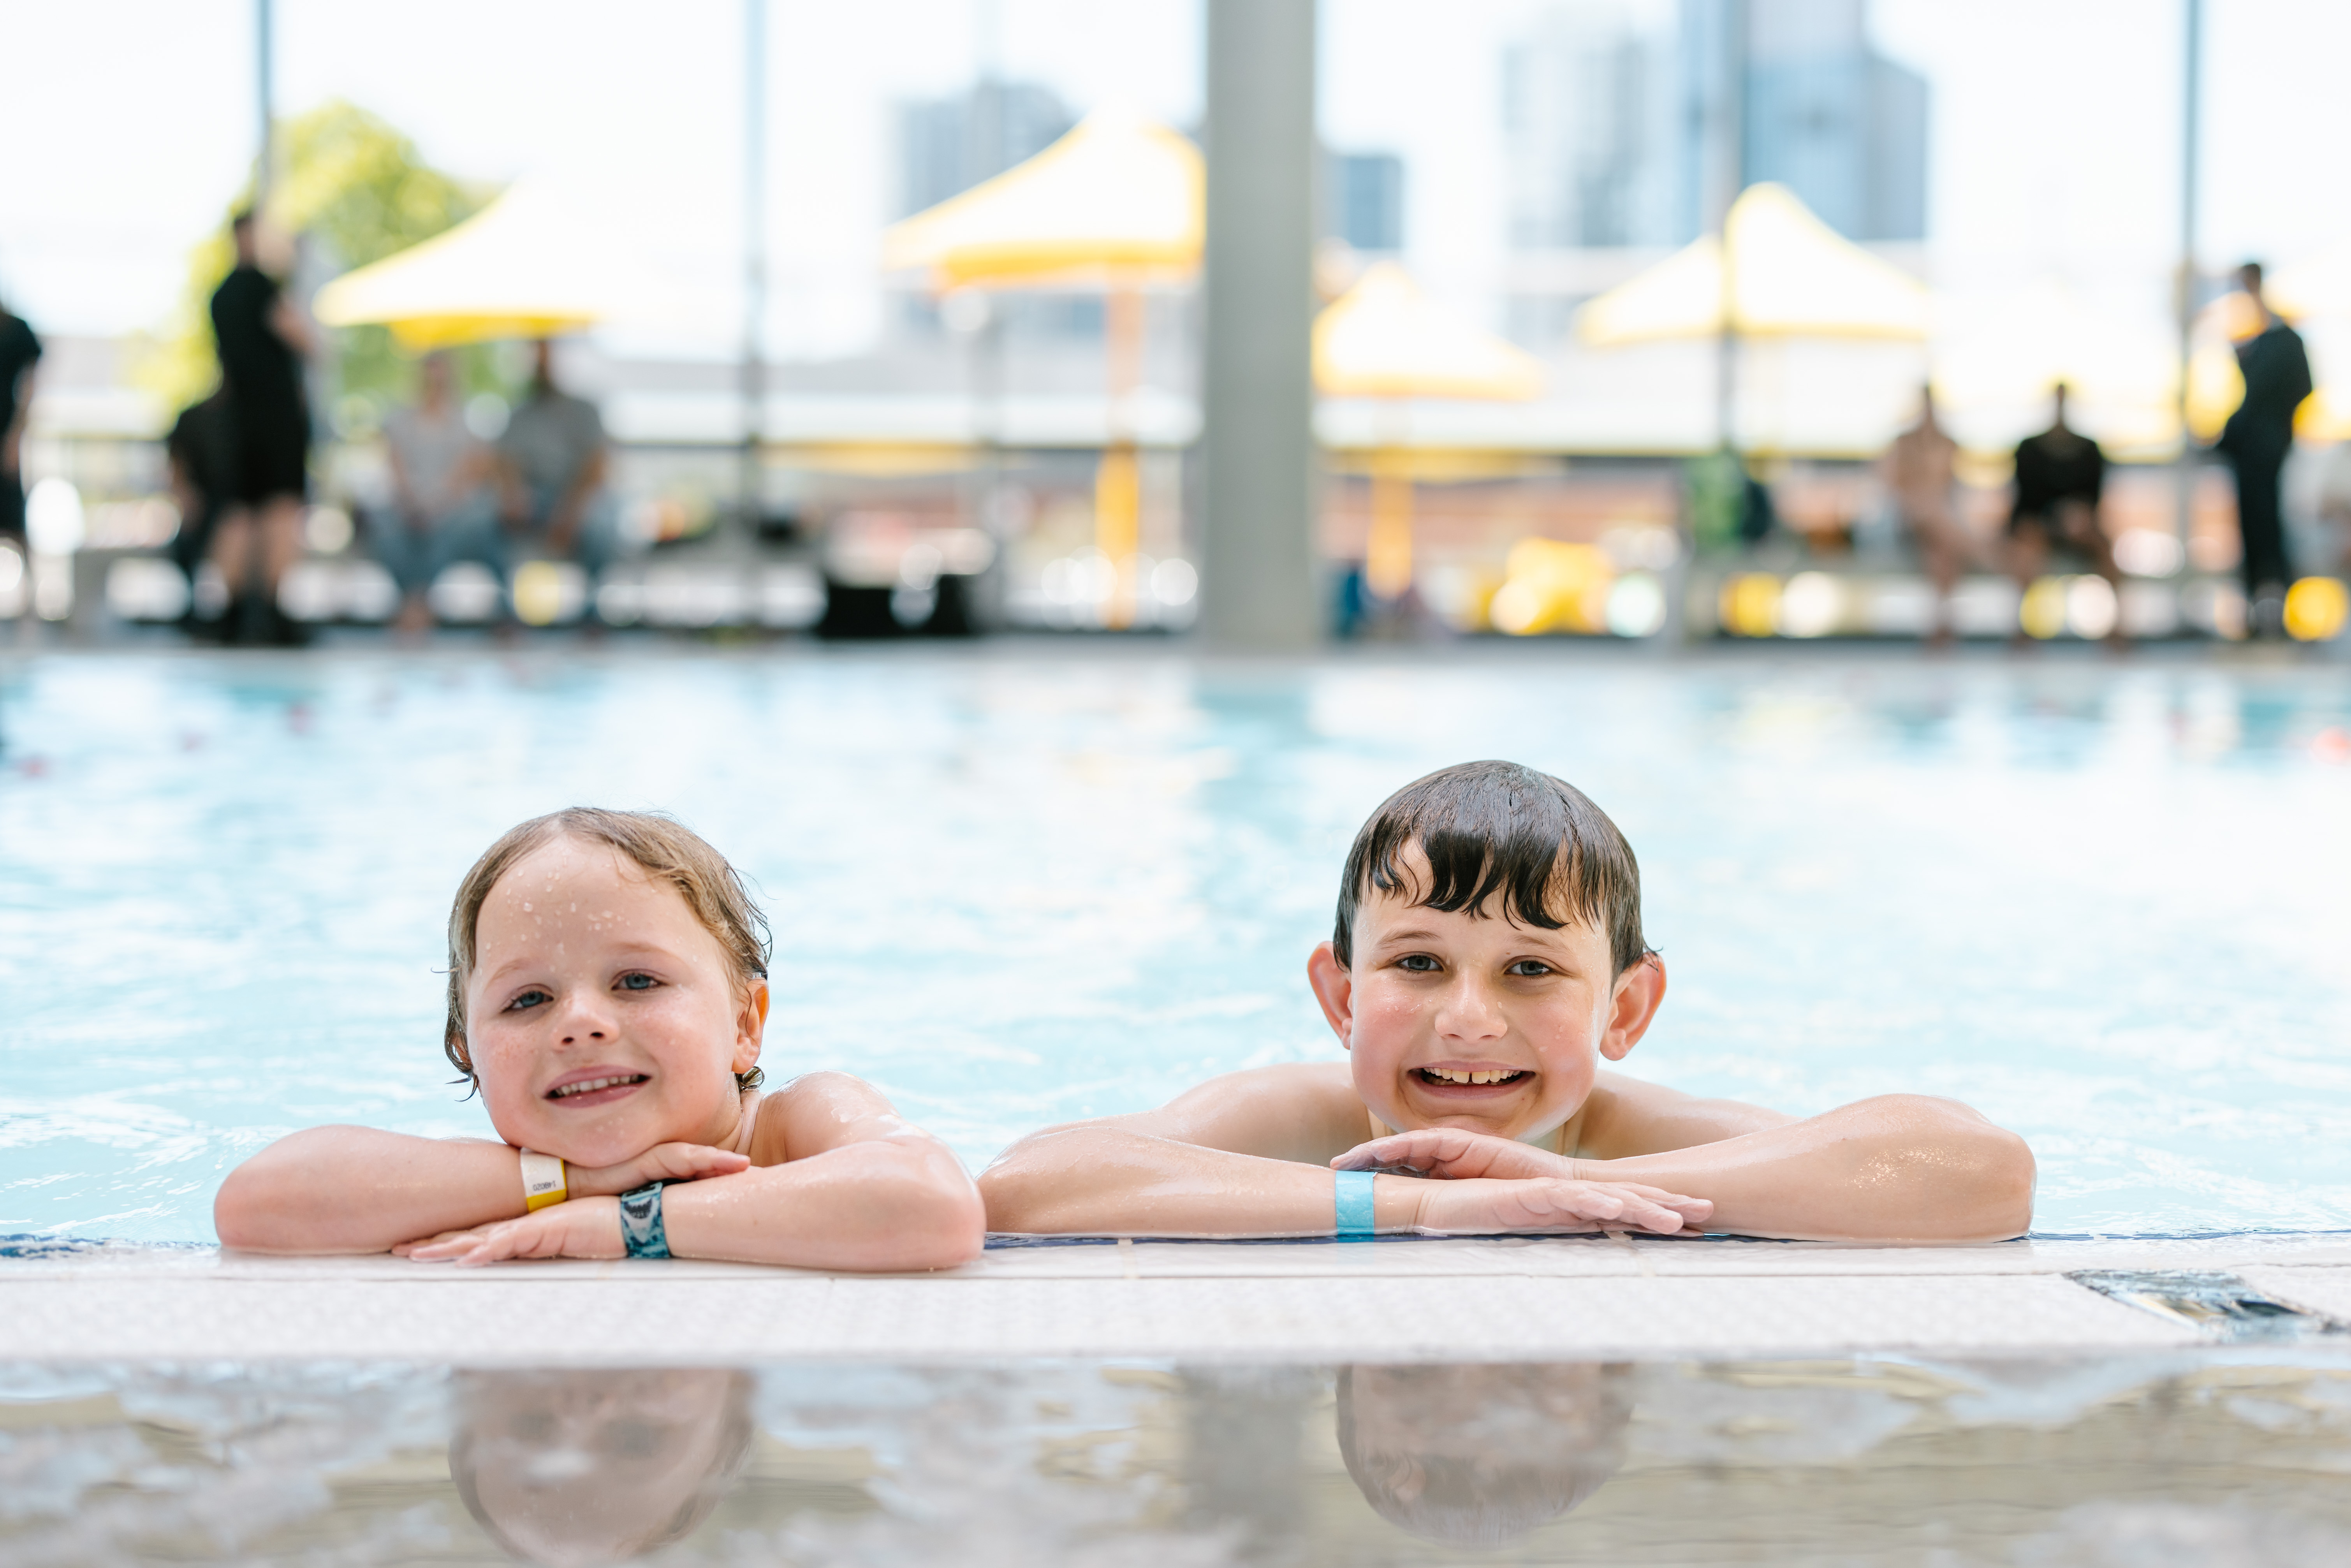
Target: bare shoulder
x=813, y=1113
x=1297, y=1111
x=1626, y=1117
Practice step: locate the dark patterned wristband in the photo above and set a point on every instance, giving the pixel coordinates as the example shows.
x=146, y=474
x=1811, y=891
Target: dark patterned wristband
x=640, y=1222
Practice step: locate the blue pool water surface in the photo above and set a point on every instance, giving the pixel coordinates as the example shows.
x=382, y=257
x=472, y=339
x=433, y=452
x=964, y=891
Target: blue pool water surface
x=2103, y=903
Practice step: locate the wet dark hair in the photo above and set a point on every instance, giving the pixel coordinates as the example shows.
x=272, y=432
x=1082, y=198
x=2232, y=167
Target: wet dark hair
x=1499, y=828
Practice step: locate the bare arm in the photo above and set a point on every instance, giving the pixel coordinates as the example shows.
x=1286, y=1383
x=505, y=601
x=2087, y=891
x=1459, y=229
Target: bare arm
x=292, y=329
x=12, y=440
x=1901, y=1167
x=841, y=1181
x=563, y=522
x=861, y=1188
x=1244, y=1155
x=358, y=1190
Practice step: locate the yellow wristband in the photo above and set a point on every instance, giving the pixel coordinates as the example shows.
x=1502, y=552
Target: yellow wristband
x=543, y=1180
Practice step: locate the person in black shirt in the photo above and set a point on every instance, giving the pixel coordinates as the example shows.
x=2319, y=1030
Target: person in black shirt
x=202, y=460
x=2255, y=441
x=19, y=351
x=2061, y=478
x=262, y=343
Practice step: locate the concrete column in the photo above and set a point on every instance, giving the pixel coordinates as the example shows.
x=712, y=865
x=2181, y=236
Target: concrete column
x=1259, y=583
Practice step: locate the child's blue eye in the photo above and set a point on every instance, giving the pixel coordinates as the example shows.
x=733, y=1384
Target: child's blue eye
x=530, y=998
x=1417, y=963
x=1529, y=968
x=638, y=982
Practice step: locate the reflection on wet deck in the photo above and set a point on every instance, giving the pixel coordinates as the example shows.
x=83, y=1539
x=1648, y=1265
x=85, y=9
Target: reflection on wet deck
x=2210, y=1456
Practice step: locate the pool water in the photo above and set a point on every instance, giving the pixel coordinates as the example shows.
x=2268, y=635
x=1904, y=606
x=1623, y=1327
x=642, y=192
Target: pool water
x=2105, y=902
x=2105, y=1463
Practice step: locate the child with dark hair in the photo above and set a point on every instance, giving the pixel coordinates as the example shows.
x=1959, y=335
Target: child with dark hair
x=1487, y=955
x=607, y=997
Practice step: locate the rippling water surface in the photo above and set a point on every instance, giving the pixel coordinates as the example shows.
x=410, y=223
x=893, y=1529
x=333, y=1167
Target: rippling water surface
x=2104, y=903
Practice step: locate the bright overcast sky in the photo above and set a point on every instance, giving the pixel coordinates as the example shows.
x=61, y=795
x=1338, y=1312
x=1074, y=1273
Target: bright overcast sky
x=2054, y=140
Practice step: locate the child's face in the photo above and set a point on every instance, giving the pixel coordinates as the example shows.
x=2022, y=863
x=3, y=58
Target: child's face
x=1436, y=1001
x=588, y=972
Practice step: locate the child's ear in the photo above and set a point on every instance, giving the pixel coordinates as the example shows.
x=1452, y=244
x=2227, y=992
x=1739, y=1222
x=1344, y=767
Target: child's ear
x=1640, y=992
x=751, y=1026
x=1334, y=988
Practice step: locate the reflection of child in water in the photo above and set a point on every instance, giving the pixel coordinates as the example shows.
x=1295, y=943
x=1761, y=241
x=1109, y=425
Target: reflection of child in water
x=569, y=1468
x=1478, y=1456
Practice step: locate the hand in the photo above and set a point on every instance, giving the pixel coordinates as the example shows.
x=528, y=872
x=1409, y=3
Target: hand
x=663, y=1162
x=1553, y=1204
x=583, y=1228
x=1449, y=1154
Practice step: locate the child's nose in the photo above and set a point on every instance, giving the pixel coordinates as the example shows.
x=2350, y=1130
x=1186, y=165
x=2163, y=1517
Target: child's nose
x=583, y=1020
x=1470, y=1011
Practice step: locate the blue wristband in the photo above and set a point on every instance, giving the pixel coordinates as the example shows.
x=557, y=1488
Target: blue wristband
x=640, y=1222
x=1352, y=1196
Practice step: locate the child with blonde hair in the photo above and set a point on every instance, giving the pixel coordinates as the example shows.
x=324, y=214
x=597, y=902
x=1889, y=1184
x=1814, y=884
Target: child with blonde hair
x=607, y=997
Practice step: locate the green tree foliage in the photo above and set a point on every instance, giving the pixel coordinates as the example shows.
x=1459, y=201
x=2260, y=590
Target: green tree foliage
x=357, y=190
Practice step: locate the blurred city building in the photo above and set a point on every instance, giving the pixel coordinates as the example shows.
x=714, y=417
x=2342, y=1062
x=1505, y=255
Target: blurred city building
x=1362, y=199
x=1616, y=122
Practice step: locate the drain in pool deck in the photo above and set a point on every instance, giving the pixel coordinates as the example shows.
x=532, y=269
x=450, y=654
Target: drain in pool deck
x=2219, y=1305
x=2219, y=1456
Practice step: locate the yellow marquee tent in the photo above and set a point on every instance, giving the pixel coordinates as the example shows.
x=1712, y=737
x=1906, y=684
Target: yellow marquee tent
x=527, y=266
x=1792, y=276
x=1385, y=339
x=1119, y=201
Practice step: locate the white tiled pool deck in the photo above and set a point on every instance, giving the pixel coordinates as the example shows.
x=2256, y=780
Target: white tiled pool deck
x=1503, y=1300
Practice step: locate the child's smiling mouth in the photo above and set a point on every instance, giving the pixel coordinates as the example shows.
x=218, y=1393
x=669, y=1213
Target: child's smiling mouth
x=1455, y=1080
x=597, y=1088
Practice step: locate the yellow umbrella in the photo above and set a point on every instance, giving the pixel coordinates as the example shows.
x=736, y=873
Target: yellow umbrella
x=1385, y=339
x=524, y=266
x=1792, y=276
x=1119, y=200
x=1118, y=204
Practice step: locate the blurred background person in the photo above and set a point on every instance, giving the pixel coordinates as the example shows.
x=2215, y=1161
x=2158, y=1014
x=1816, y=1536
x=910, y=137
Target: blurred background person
x=440, y=476
x=20, y=350
x=1919, y=476
x=552, y=463
x=201, y=463
x=2256, y=441
x=2060, y=480
x=262, y=342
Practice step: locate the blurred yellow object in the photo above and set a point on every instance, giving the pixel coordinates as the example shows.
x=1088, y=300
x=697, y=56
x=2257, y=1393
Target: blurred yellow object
x=2042, y=612
x=524, y=266
x=1792, y=276
x=1120, y=198
x=1550, y=586
x=538, y=592
x=1387, y=553
x=1750, y=605
x=2316, y=609
x=1385, y=338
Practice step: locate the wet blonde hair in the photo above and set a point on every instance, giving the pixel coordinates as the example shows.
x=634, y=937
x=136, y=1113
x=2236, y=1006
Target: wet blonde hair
x=669, y=852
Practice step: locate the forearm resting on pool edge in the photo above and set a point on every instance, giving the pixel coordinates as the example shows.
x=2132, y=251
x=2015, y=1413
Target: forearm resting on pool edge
x=1902, y=1167
x=360, y=1189
x=1110, y=1181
